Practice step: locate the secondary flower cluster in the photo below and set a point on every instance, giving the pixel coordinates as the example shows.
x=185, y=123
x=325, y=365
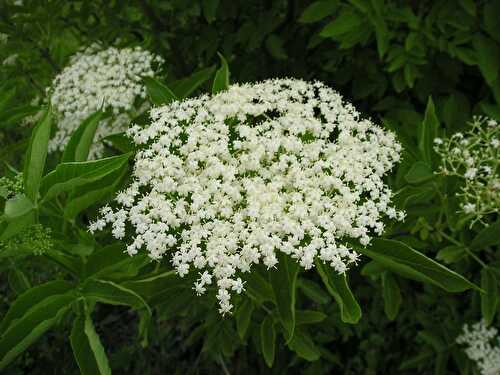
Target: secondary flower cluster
x=478, y=339
x=474, y=157
x=109, y=78
x=227, y=181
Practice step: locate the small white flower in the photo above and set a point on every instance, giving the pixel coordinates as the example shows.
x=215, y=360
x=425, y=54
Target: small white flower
x=470, y=173
x=469, y=208
x=222, y=183
x=438, y=141
x=478, y=339
x=110, y=78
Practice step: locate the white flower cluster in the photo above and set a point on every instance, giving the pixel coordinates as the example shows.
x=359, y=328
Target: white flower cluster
x=478, y=339
x=95, y=78
x=474, y=157
x=227, y=181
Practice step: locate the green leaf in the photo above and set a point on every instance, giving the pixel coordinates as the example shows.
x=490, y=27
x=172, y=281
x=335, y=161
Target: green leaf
x=12, y=116
x=113, y=294
x=68, y=176
x=210, y=9
x=313, y=291
x=451, y=254
x=489, y=299
x=186, y=86
x=268, y=340
x=36, y=155
x=488, y=57
x=87, y=348
x=419, y=172
x=490, y=16
x=259, y=288
x=274, y=45
x=157, y=288
x=347, y=21
x=487, y=237
x=243, y=317
x=18, y=281
x=303, y=345
x=158, y=92
x=18, y=206
x=34, y=323
x=30, y=298
x=78, y=146
x=113, y=262
x=85, y=196
x=392, y=296
x=318, y=10
x=469, y=6
x=221, y=80
x=284, y=283
x=120, y=142
x=15, y=226
x=336, y=284
x=309, y=317
x=456, y=111
x=428, y=132
x=5, y=97
x=372, y=269
x=405, y=261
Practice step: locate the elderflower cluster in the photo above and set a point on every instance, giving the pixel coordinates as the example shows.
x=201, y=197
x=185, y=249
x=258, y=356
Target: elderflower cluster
x=228, y=181
x=480, y=349
x=474, y=158
x=100, y=78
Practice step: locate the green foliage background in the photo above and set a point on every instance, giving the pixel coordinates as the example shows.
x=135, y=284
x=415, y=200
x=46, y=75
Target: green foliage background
x=421, y=68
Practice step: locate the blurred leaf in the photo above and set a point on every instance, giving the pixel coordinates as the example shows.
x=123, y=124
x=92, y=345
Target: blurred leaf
x=309, y=317
x=313, y=291
x=451, y=254
x=489, y=299
x=304, y=346
x=318, y=10
x=274, y=45
x=487, y=237
x=392, y=295
x=210, y=9
x=345, y=22
x=488, y=57
x=268, y=340
x=243, y=317
x=419, y=172
x=18, y=281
